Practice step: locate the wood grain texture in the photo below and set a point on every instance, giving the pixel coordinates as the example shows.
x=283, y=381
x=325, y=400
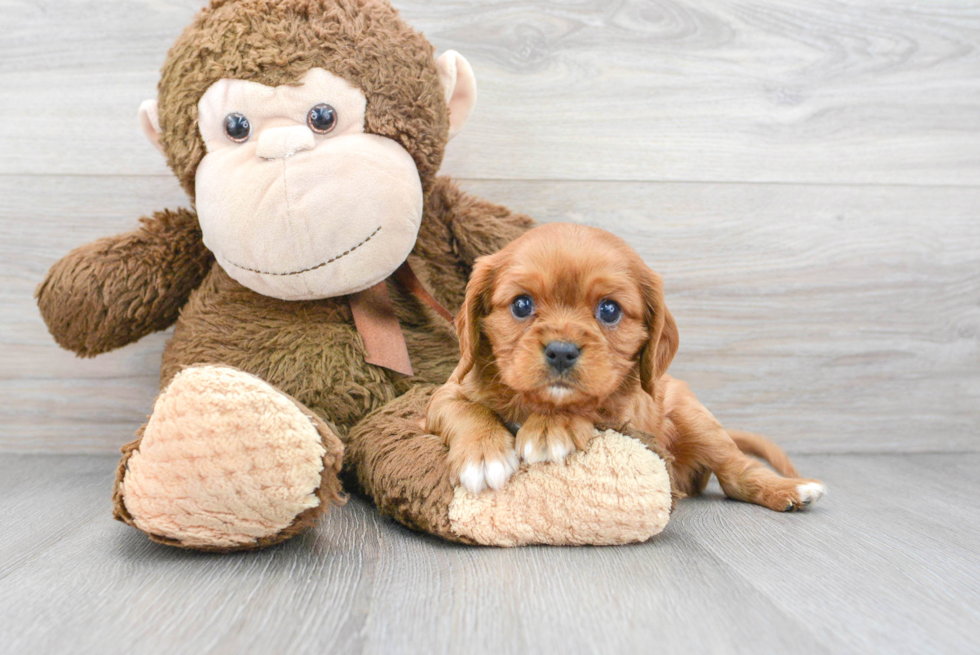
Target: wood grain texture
x=886, y=563
x=834, y=318
x=862, y=91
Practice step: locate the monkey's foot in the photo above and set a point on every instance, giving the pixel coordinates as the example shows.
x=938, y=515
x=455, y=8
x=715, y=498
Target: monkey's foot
x=615, y=491
x=227, y=462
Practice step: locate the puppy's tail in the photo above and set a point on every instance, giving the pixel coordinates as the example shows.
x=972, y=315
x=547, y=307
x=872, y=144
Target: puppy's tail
x=758, y=446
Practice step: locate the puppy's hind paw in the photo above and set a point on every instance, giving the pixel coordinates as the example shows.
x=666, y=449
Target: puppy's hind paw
x=802, y=495
x=810, y=492
x=475, y=476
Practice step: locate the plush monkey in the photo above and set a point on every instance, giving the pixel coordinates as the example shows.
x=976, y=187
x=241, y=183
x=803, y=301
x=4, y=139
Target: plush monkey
x=307, y=287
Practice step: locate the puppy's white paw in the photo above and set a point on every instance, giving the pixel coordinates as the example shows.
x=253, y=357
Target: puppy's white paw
x=810, y=492
x=556, y=451
x=492, y=473
x=499, y=472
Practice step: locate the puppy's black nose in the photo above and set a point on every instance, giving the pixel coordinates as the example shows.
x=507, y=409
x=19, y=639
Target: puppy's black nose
x=561, y=355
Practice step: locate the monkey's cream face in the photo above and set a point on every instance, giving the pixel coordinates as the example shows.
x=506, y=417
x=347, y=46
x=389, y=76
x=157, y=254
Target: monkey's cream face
x=294, y=199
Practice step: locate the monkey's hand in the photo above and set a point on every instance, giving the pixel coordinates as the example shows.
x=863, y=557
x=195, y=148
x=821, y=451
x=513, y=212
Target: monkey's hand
x=117, y=290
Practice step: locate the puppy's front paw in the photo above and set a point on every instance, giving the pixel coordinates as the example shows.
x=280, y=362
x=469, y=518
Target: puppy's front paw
x=552, y=438
x=484, y=462
x=537, y=446
x=478, y=475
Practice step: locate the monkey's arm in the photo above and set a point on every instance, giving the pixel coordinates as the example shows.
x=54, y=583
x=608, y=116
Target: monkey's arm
x=478, y=227
x=116, y=290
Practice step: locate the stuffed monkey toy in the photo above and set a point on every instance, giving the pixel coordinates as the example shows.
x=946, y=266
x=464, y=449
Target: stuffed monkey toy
x=307, y=287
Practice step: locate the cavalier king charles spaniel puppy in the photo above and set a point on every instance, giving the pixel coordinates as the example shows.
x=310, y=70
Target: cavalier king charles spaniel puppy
x=564, y=329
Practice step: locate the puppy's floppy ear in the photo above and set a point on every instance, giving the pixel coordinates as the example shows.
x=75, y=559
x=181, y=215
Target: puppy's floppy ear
x=662, y=345
x=476, y=305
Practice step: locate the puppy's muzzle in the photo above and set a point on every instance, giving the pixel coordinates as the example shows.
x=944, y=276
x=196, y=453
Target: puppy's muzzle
x=561, y=355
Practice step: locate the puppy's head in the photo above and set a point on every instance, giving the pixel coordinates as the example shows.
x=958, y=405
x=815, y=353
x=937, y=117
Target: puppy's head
x=565, y=316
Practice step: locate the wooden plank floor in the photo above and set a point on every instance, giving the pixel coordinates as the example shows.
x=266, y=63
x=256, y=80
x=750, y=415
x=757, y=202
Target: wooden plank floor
x=888, y=562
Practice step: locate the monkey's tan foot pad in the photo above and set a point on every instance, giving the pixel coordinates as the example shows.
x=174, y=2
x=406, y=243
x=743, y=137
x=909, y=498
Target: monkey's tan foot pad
x=227, y=462
x=616, y=491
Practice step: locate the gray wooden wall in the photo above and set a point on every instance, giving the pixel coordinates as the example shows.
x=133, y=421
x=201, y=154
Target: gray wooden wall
x=805, y=175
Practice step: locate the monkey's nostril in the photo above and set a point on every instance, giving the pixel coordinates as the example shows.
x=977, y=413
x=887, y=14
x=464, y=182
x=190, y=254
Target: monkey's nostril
x=561, y=355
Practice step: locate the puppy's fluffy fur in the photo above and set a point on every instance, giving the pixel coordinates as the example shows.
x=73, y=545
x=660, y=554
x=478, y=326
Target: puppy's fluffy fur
x=587, y=291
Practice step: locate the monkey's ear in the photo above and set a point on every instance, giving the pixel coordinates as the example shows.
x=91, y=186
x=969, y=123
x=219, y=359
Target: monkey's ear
x=459, y=85
x=150, y=122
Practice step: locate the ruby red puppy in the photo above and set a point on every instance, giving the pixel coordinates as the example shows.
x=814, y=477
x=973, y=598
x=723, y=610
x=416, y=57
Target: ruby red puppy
x=567, y=328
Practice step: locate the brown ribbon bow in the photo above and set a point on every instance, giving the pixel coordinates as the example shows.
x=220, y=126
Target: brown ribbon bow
x=376, y=322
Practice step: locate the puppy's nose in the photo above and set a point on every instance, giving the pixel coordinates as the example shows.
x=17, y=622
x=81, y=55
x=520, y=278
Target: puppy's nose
x=561, y=355
x=280, y=142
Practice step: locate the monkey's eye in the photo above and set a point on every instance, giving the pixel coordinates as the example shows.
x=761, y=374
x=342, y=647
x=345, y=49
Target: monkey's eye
x=522, y=306
x=608, y=312
x=237, y=127
x=322, y=118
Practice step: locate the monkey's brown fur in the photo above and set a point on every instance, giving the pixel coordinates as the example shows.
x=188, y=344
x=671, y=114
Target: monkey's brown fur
x=116, y=290
x=275, y=42
x=113, y=292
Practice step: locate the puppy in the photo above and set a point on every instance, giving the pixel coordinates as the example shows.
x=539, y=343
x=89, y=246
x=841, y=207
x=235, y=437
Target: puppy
x=564, y=329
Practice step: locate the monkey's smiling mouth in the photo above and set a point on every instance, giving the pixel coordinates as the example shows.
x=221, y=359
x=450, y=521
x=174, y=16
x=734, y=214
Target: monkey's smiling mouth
x=311, y=268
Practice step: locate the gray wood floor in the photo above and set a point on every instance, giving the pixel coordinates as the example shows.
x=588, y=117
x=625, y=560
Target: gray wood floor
x=889, y=562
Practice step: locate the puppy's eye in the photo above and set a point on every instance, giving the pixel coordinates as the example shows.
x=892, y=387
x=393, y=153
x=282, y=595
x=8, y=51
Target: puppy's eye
x=522, y=306
x=237, y=127
x=322, y=118
x=608, y=312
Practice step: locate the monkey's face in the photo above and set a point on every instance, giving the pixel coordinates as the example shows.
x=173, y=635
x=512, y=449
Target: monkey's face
x=307, y=131
x=294, y=199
